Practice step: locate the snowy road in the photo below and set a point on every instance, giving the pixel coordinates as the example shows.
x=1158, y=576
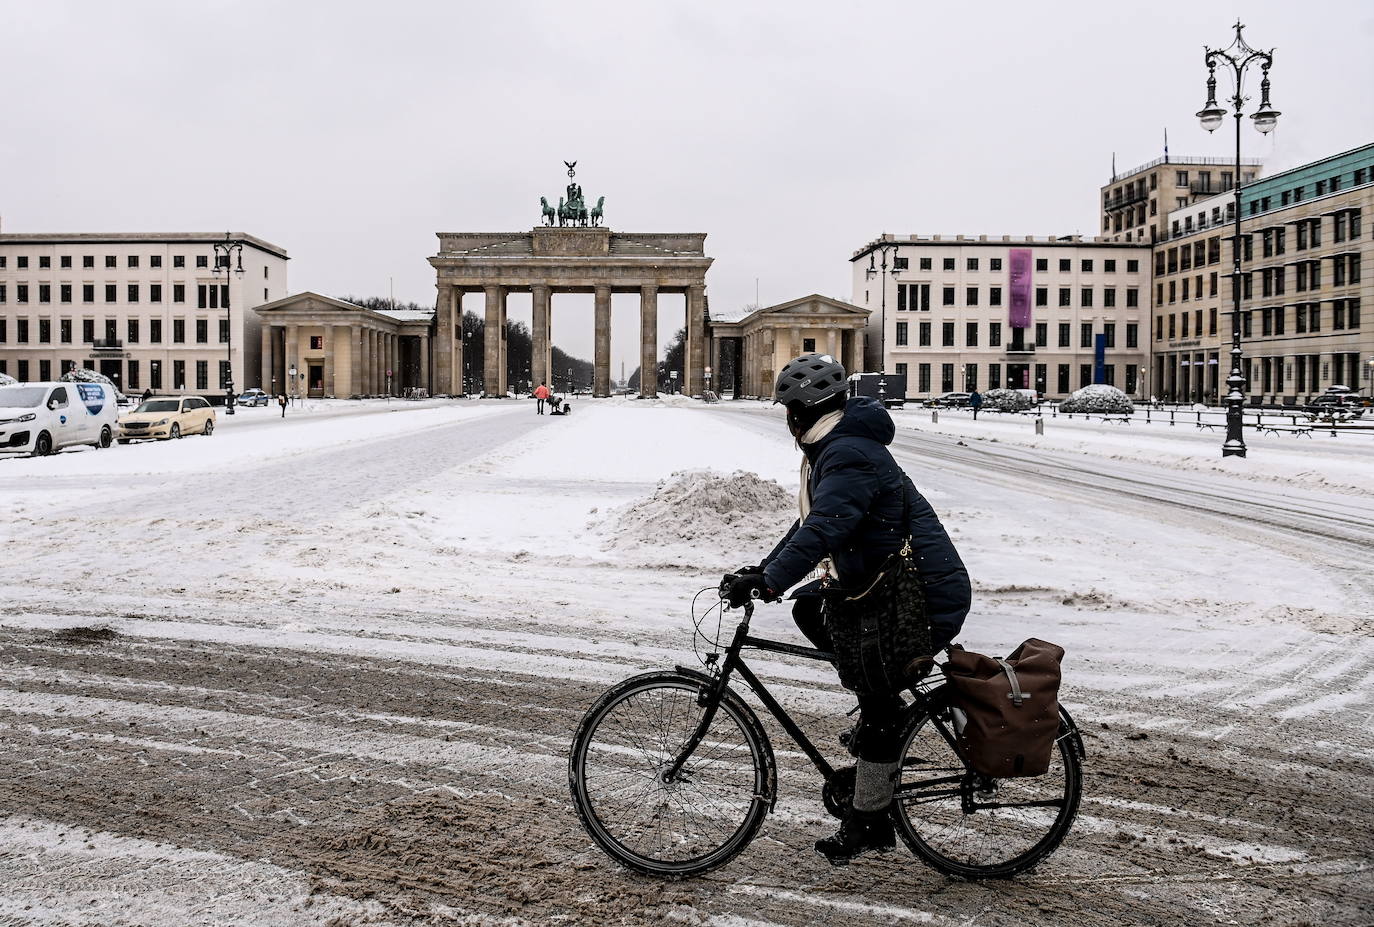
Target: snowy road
x=338, y=669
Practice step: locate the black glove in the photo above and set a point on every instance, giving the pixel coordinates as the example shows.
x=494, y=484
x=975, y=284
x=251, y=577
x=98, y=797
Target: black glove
x=747, y=569
x=741, y=589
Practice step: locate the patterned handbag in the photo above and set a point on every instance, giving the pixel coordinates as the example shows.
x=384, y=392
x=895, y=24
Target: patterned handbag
x=881, y=633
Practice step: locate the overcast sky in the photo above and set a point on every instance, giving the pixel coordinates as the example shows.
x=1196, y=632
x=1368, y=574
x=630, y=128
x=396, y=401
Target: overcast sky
x=792, y=133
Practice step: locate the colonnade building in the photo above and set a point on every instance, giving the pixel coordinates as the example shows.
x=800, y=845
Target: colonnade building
x=146, y=310
x=1306, y=287
x=945, y=310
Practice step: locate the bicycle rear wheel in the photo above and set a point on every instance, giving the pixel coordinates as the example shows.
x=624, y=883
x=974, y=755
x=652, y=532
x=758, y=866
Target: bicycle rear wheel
x=698, y=821
x=969, y=825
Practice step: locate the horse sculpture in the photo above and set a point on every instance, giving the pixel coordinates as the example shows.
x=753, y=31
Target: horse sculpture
x=572, y=213
x=598, y=211
x=547, y=213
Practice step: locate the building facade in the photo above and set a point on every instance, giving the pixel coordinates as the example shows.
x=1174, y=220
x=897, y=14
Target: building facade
x=1306, y=253
x=1136, y=205
x=338, y=349
x=948, y=325
x=767, y=338
x=146, y=310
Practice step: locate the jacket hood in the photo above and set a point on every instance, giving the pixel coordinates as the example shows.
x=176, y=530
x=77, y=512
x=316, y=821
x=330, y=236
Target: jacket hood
x=864, y=417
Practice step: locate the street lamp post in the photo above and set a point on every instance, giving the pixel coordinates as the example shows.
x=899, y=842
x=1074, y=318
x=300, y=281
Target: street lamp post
x=883, y=269
x=228, y=253
x=1239, y=56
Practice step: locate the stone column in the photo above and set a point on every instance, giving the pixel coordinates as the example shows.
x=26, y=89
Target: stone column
x=372, y=389
x=291, y=348
x=769, y=366
x=540, y=348
x=329, y=360
x=830, y=334
x=696, y=331
x=445, y=297
x=355, y=360
x=393, y=362
x=601, y=377
x=493, y=372
x=424, y=364
x=648, y=341
x=266, y=373
x=796, y=341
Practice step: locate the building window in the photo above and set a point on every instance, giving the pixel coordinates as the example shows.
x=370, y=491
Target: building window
x=202, y=260
x=947, y=296
x=111, y=292
x=133, y=292
x=948, y=264
x=994, y=334
x=970, y=377
x=111, y=260
x=88, y=292
x=1063, y=376
x=178, y=331
x=994, y=264
x=1042, y=296
x=21, y=292
x=971, y=264
x=133, y=260
x=133, y=331
x=1065, y=296
x=971, y=334
x=21, y=331
x=995, y=296
x=1109, y=298
x=923, y=376
x=970, y=296
x=154, y=292
x=1065, y=334
x=1042, y=264
x=44, y=332
x=1065, y=265
x=1109, y=334
x=925, y=263
x=87, y=331
x=923, y=334
x=1087, y=265
x=64, y=331
x=202, y=375
x=994, y=376
x=1182, y=179
x=898, y=263
x=808, y=344
x=1085, y=336
x=155, y=331
x=178, y=292
x=1042, y=334
x=202, y=331
x=1109, y=266
x=45, y=292
x=1085, y=297
x=947, y=334
x=946, y=378
x=44, y=262
x=901, y=335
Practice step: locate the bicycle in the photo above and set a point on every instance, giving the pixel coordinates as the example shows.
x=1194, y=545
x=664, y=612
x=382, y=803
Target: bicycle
x=673, y=774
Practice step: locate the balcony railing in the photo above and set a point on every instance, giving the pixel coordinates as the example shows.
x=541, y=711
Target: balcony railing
x=107, y=344
x=1209, y=188
x=1020, y=348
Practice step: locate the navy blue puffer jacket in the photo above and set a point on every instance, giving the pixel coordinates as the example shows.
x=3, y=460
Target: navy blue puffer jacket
x=857, y=498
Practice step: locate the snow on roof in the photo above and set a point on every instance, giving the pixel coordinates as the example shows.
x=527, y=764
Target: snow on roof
x=408, y=315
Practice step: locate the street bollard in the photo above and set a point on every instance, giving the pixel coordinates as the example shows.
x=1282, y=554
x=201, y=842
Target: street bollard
x=1040, y=426
x=934, y=415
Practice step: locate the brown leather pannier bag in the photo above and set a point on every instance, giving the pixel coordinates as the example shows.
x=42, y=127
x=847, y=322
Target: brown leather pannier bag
x=1012, y=707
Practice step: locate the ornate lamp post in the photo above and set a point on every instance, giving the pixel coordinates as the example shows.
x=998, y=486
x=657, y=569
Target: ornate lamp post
x=883, y=269
x=1238, y=56
x=228, y=253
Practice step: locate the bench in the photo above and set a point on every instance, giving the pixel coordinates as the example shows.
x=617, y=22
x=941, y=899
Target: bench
x=1294, y=430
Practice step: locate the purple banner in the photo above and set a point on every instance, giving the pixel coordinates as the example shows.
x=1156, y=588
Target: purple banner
x=1019, y=280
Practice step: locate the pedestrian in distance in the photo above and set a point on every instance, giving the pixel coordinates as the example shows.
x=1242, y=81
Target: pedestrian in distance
x=147, y=394
x=975, y=402
x=857, y=509
x=541, y=393
x=281, y=401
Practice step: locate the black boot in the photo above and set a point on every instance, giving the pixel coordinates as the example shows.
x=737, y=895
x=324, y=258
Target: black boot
x=860, y=832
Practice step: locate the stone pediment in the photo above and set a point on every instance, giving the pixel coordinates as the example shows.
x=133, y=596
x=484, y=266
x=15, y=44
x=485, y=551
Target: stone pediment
x=307, y=301
x=815, y=304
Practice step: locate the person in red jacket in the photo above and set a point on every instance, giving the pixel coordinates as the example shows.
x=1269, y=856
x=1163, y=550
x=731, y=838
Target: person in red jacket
x=541, y=392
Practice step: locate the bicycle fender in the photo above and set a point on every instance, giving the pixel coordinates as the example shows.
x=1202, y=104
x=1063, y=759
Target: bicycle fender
x=1077, y=738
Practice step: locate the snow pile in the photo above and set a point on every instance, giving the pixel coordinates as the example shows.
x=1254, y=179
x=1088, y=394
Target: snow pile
x=1099, y=398
x=706, y=508
x=1006, y=400
x=7, y=380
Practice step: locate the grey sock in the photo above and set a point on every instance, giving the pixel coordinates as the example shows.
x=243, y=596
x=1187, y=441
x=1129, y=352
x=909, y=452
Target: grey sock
x=873, y=785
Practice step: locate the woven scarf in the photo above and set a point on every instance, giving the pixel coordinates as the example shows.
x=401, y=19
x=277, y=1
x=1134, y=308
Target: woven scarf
x=824, y=425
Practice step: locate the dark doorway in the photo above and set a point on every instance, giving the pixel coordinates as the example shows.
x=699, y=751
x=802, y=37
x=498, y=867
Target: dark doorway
x=316, y=378
x=111, y=369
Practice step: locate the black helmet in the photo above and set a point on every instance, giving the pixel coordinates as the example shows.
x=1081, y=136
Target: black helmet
x=809, y=379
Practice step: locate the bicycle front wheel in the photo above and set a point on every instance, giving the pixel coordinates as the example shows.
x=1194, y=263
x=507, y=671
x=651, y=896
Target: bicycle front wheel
x=970, y=825
x=701, y=818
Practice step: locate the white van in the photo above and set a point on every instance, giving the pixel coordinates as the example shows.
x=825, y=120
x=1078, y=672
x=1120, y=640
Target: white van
x=42, y=418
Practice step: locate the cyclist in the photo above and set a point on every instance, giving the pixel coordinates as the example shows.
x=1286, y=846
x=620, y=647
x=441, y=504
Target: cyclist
x=851, y=502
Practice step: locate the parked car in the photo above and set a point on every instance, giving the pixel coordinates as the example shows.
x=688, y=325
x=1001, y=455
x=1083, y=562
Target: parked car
x=1332, y=403
x=253, y=397
x=41, y=418
x=949, y=401
x=1033, y=395
x=167, y=417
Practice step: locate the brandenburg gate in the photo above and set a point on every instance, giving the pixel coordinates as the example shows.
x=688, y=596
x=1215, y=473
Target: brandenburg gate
x=573, y=256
